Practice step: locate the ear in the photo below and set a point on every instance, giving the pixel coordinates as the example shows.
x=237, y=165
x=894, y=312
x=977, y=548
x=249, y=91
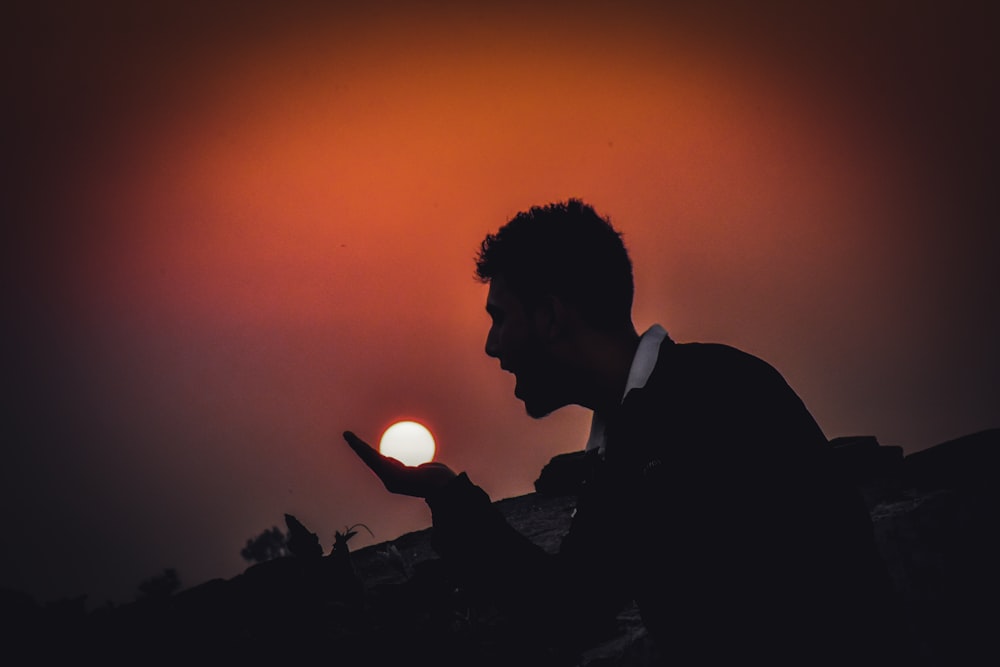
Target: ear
x=552, y=318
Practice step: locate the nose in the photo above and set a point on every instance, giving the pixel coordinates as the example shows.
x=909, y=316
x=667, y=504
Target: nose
x=492, y=347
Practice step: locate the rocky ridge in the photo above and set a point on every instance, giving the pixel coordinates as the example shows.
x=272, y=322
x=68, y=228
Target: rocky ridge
x=935, y=515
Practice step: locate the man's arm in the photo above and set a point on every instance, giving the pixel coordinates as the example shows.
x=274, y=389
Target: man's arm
x=557, y=596
x=569, y=598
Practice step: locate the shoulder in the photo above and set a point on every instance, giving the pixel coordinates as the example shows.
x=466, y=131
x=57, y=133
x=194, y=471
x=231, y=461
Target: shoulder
x=710, y=360
x=711, y=376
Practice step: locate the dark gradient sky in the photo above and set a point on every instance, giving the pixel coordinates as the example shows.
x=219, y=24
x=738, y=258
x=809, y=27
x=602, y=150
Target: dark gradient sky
x=234, y=232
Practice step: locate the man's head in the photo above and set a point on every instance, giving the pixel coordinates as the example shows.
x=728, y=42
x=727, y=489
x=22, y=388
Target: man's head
x=548, y=266
x=566, y=250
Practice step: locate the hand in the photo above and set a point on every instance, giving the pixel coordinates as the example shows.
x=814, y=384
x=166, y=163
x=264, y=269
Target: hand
x=418, y=481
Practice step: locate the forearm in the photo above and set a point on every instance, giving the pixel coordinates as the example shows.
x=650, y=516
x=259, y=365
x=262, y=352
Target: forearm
x=568, y=596
x=473, y=536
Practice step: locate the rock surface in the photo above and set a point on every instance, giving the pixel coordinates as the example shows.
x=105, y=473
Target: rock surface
x=935, y=514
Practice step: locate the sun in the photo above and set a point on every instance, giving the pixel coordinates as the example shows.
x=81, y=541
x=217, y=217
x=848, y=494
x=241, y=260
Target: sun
x=409, y=442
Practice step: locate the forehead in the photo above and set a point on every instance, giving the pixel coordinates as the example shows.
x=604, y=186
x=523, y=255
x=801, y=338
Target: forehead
x=500, y=297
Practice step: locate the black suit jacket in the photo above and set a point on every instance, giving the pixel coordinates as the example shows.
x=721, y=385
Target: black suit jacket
x=716, y=508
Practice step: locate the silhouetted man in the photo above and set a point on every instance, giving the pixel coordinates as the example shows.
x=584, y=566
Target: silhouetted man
x=708, y=495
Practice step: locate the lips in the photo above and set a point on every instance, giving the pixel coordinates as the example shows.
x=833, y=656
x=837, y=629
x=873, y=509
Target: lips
x=517, y=382
x=517, y=385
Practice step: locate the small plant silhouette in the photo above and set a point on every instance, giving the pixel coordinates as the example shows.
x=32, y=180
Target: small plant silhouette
x=345, y=580
x=340, y=539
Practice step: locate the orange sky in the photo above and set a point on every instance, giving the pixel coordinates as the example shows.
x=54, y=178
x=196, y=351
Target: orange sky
x=241, y=232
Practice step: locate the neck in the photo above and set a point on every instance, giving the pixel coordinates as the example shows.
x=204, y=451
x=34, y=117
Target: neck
x=609, y=361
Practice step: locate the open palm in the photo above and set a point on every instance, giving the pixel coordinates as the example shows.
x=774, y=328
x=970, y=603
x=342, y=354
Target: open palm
x=418, y=481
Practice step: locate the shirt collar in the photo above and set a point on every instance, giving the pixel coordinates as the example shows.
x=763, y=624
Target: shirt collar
x=642, y=367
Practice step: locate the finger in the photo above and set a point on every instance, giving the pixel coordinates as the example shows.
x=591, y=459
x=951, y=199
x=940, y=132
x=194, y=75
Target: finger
x=366, y=452
x=432, y=464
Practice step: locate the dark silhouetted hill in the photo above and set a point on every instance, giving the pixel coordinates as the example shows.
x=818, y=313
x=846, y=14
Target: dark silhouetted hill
x=935, y=516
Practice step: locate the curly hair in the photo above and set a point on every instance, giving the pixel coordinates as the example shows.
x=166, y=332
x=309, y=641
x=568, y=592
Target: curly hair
x=568, y=250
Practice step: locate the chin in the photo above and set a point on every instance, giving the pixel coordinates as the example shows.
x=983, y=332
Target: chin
x=536, y=412
x=537, y=409
x=540, y=403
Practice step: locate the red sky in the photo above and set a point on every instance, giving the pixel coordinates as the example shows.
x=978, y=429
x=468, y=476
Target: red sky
x=239, y=231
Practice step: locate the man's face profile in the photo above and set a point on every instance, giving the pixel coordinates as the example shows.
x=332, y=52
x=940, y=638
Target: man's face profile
x=515, y=341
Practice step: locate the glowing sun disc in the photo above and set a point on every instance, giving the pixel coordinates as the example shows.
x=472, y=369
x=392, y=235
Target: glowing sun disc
x=409, y=442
